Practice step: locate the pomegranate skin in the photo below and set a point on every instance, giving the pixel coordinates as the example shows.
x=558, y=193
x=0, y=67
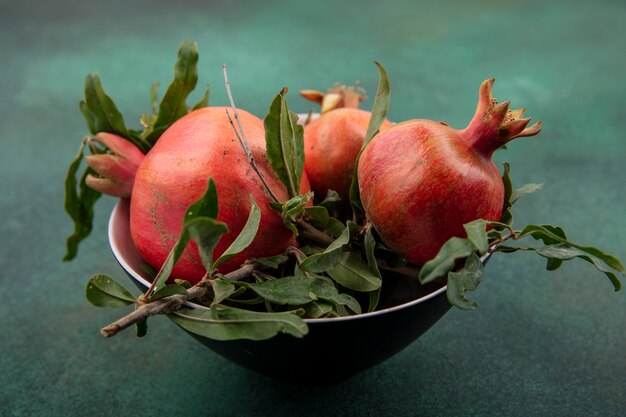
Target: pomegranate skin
x=422, y=180
x=175, y=173
x=331, y=145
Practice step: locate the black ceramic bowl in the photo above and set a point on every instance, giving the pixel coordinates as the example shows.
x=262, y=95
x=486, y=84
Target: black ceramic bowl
x=334, y=349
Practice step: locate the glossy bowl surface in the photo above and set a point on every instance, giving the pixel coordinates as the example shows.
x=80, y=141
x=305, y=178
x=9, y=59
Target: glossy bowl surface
x=334, y=349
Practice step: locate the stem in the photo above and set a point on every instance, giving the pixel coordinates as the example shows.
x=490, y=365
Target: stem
x=310, y=232
x=494, y=245
x=167, y=305
x=241, y=136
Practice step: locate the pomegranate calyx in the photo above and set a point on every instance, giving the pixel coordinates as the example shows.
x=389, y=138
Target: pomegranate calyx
x=116, y=169
x=494, y=125
x=339, y=96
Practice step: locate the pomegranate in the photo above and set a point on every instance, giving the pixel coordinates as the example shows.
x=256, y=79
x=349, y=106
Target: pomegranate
x=174, y=174
x=333, y=141
x=421, y=180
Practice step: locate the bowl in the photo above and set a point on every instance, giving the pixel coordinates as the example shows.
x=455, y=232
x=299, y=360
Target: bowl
x=335, y=349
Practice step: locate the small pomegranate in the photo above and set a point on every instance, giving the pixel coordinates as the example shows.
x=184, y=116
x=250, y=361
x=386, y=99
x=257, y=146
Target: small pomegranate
x=174, y=174
x=333, y=141
x=421, y=180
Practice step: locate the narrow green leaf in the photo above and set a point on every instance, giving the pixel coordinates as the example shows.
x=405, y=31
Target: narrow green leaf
x=203, y=208
x=317, y=309
x=228, y=323
x=173, y=105
x=322, y=262
x=477, y=234
x=507, y=215
x=79, y=202
x=166, y=291
x=103, y=291
x=102, y=114
x=467, y=279
x=369, y=245
x=204, y=101
x=542, y=231
x=245, y=237
x=354, y=273
x=222, y=289
x=206, y=232
x=318, y=216
x=272, y=261
x=331, y=200
x=379, y=113
x=142, y=328
x=105, y=114
x=381, y=105
x=296, y=291
x=285, y=143
x=445, y=260
x=564, y=252
x=154, y=98
x=525, y=189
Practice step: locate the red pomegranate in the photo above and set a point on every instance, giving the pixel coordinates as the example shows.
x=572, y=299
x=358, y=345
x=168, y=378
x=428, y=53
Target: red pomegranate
x=174, y=174
x=421, y=180
x=333, y=141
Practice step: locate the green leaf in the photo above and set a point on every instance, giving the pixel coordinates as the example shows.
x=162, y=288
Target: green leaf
x=166, y=291
x=507, y=215
x=322, y=262
x=331, y=200
x=272, y=261
x=245, y=237
x=467, y=279
x=206, y=232
x=445, y=260
x=318, y=216
x=353, y=273
x=541, y=232
x=207, y=226
x=381, y=106
x=173, y=106
x=154, y=98
x=284, y=139
x=297, y=291
x=477, y=234
x=228, y=323
x=369, y=244
x=292, y=209
x=205, y=206
x=317, y=309
x=79, y=202
x=222, y=289
x=379, y=113
x=204, y=101
x=141, y=328
x=102, y=115
x=565, y=252
x=525, y=189
x=103, y=291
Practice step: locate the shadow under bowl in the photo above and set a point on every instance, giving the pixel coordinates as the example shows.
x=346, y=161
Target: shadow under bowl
x=335, y=349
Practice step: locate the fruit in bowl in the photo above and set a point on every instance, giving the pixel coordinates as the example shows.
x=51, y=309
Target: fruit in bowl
x=217, y=227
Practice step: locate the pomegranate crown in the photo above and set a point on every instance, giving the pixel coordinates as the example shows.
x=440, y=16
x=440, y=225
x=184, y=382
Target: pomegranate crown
x=495, y=124
x=337, y=97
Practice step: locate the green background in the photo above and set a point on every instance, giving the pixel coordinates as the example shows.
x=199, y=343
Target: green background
x=539, y=344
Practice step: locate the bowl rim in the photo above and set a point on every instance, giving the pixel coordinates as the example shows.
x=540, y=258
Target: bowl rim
x=117, y=253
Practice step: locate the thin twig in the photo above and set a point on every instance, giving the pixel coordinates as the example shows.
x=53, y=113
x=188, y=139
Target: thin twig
x=172, y=303
x=313, y=234
x=241, y=136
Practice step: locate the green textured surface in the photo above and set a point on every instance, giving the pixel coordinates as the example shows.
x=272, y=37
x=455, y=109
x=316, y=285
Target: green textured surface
x=539, y=344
